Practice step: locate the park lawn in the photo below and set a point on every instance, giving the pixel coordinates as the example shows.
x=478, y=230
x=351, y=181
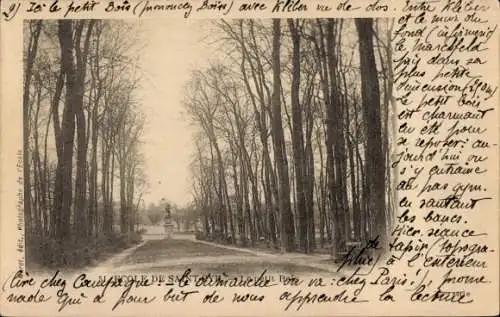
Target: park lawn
x=168, y=249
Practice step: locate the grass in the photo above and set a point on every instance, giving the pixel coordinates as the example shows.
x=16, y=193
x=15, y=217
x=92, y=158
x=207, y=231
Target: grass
x=167, y=249
x=171, y=249
x=44, y=255
x=266, y=246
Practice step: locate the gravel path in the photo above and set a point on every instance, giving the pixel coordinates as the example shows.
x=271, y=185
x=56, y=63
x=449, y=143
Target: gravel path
x=156, y=253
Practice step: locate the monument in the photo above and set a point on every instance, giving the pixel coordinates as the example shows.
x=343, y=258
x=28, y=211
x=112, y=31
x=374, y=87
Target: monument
x=169, y=226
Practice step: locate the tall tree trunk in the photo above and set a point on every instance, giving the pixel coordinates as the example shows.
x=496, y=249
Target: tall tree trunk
x=287, y=224
x=28, y=73
x=111, y=186
x=239, y=203
x=334, y=171
x=309, y=180
x=321, y=194
x=64, y=182
x=55, y=214
x=37, y=168
x=81, y=210
x=298, y=141
x=123, y=193
x=375, y=158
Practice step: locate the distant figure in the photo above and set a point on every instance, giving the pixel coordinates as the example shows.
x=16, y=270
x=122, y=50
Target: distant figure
x=168, y=221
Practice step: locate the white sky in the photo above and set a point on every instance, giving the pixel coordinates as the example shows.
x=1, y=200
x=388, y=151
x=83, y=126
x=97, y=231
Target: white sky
x=174, y=47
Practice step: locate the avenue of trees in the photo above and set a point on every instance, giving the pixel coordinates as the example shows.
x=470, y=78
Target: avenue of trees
x=82, y=133
x=294, y=130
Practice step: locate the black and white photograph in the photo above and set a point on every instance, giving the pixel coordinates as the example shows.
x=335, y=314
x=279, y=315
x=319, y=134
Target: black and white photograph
x=224, y=146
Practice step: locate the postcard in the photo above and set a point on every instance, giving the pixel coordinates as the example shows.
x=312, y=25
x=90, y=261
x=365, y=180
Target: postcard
x=249, y=158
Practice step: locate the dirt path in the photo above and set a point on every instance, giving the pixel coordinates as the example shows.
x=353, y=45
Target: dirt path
x=156, y=252
x=114, y=261
x=312, y=261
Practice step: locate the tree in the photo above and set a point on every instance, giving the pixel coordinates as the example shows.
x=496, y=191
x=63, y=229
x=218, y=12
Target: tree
x=298, y=141
x=77, y=73
x=64, y=182
x=287, y=228
x=35, y=28
x=155, y=214
x=279, y=96
x=375, y=160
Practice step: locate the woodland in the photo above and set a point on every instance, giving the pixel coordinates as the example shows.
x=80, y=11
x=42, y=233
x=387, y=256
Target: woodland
x=294, y=132
x=294, y=129
x=83, y=168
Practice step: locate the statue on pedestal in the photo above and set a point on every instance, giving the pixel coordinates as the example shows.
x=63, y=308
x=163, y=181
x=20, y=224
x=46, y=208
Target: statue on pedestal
x=168, y=220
